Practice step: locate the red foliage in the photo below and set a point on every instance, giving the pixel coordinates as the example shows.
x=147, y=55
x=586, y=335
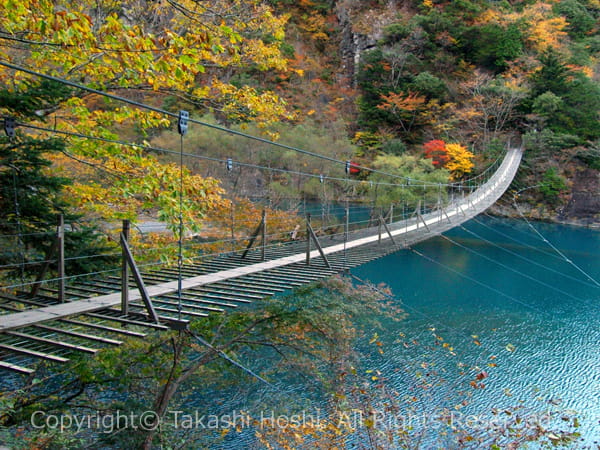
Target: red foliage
x=436, y=151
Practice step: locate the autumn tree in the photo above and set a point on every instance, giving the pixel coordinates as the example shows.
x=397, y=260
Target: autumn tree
x=453, y=157
x=185, y=50
x=422, y=187
x=491, y=106
x=404, y=107
x=460, y=160
x=436, y=151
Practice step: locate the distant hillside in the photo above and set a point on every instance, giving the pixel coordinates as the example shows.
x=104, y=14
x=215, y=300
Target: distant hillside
x=477, y=73
x=429, y=89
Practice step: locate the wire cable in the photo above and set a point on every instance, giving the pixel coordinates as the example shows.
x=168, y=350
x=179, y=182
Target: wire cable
x=518, y=241
x=528, y=260
x=467, y=277
x=180, y=240
x=550, y=244
x=415, y=183
x=203, y=123
x=510, y=269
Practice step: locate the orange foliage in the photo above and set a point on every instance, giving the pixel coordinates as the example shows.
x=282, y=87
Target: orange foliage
x=402, y=102
x=436, y=151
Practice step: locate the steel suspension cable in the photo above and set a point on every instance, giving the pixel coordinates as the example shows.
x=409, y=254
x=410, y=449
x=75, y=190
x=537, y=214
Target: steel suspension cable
x=504, y=266
x=203, y=123
x=518, y=241
x=218, y=160
x=524, y=258
x=474, y=280
x=550, y=244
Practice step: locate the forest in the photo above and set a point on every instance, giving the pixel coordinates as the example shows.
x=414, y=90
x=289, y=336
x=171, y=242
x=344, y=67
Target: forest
x=427, y=90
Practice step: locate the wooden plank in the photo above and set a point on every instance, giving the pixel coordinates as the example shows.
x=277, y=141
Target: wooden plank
x=16, y=368
x=98, y=326
x=250, y=287
x=89, y=337
x=225, y=297
x=186, y=303
x=34, y=353
x=61, y=344
x=175, y=311
x=127, y=321
x=199, y=299
x=221, y=292
x=297, y=274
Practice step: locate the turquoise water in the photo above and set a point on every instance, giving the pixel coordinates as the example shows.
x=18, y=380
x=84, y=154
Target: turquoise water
x=535, y=316
x=498, y=322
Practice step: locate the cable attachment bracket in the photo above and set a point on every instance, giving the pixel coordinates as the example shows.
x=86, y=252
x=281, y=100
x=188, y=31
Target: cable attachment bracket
x=182, y=123
x=10, y=124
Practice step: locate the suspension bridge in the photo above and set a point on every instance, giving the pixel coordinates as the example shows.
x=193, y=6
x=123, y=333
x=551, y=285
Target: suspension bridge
x=52, y=320
x=85, y=316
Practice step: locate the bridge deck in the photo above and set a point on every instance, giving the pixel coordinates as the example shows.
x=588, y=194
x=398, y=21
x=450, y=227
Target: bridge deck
x=214, y=285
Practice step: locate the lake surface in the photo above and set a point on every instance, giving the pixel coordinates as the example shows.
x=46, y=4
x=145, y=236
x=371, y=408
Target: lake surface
x=498, y=322
x=533, y=314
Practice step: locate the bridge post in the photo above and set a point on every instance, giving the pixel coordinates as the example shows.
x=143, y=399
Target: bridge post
x=391, y=213
x=264, y=235
x=310, y=234
x=387, y=230
x=261, y=229
x=42, y=273
x=60, y=237
x=139, y=281
x=232, y=225
x=440, y=200
x=125, y=271
x=308, y=239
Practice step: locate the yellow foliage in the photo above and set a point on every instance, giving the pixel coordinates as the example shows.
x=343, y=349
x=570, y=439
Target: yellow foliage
x=154, y=49
x=489, y=16
x=587, y=71
x=544, y=30
x=460, y=160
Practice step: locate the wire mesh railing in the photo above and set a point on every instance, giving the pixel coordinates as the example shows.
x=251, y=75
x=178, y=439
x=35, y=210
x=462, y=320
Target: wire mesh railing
x=331, y=222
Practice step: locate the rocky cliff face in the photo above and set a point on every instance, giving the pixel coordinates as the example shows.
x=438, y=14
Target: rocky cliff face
x=361, y=27
x=580, y=205
x=583, y=205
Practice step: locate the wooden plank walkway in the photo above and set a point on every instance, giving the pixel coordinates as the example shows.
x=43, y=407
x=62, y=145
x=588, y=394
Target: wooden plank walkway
x=221, y=283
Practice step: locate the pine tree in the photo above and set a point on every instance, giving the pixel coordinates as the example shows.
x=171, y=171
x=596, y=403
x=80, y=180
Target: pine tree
x=31, y=199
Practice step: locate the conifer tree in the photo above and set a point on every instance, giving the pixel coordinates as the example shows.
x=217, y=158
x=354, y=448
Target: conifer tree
x=31, y=197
